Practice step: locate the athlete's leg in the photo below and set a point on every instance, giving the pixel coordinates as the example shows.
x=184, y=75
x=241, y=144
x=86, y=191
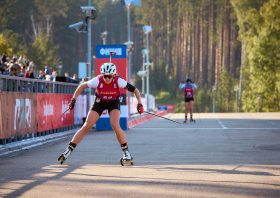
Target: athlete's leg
x=187, y=110
x=115, y=123
x=92, y=117
x=191, y=108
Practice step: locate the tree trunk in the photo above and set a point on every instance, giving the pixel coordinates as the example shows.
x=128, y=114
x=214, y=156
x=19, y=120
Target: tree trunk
x=211, y=52
x=226, y=37
x=201, y=47
x=169, y=39
x=197, y=48
x=233, y=47
x=178, y=48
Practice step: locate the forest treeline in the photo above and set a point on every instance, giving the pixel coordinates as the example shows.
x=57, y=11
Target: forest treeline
x=215, y=42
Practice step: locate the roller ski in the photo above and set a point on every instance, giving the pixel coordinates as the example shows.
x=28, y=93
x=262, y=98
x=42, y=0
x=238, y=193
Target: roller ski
x=126, y=158
x=185, y=122
x=192, y=120
x=66, y=153
x=126, y=155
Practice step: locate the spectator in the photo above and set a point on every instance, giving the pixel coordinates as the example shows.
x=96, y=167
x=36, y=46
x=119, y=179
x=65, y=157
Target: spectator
x=66, y=74
x=54, y=74
x=48, y=77
x=41, y=75
x=15, y=70
x=31, y=73
x=20, y=60
x=47, y=70
x=15, y=57
x=27, y=74
x=31, y=66
x=22, y=73
x=4, y=58
x=75, y=76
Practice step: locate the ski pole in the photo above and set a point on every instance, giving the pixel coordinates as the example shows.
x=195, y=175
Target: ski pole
x=65, y=111
x=161, y=117
x=197, y=108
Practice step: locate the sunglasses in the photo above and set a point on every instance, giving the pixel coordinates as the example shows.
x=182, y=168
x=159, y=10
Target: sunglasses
x=107, y=76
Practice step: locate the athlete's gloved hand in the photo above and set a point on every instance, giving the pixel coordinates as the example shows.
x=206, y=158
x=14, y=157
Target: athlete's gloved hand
x=140, y=108
x=72, y=103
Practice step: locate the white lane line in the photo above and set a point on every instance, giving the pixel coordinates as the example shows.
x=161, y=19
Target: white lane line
x=220, y=122
x=135, y=128
x=269, y=122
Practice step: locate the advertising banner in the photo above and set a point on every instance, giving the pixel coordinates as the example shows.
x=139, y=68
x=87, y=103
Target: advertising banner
x=120, y=60
x=50, y=109
x=18, y=114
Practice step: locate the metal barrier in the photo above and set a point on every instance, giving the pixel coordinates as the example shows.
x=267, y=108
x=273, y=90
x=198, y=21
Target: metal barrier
x=27, y=85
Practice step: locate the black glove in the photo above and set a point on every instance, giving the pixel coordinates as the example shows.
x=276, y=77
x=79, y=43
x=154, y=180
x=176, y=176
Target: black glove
x=72, y=103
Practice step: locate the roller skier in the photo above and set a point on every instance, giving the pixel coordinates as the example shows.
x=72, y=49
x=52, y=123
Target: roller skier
x=107, y=96
x=189, y=88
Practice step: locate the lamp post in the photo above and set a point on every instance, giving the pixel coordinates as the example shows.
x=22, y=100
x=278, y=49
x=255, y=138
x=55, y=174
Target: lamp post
x=147, y=29
x=236, y=88
x=213, y=89
x=104, y=37
x=60, y=69
x=259, y=97
x=144, y=54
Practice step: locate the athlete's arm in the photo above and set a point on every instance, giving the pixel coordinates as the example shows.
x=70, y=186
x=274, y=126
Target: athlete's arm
x=123, y=84
x=79, y=90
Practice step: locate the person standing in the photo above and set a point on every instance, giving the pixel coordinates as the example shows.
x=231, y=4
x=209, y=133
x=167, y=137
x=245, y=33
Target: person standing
x=107, y=96
x=189, y=88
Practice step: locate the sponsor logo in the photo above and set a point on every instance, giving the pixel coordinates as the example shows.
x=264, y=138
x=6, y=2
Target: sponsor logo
x=106, y=51
x=97, y=100
x=105, y=112
x=108, y=92
x=48, y=109
x=22, y=113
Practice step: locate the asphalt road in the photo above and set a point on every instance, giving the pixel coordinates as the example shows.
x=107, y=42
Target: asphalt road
x=221, y=155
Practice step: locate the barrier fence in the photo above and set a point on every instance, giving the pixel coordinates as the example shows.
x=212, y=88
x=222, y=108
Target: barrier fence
x=33, y=108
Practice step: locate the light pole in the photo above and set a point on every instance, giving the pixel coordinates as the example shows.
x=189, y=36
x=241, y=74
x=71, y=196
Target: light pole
x=259, y=97
x=83, y=27
x=144, y=54
x=146, y=30
x=60, y=69
x=236, y=88
x=213, y=89
x=104, y=37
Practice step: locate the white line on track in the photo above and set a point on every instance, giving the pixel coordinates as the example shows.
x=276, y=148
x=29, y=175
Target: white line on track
x=220, y=122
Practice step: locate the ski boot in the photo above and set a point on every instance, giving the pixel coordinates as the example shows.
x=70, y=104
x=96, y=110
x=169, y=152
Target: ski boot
x=66, y=153
x=185, y=121
x=126, y=158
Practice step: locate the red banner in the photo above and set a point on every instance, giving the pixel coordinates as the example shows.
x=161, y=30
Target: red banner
x=50, y=108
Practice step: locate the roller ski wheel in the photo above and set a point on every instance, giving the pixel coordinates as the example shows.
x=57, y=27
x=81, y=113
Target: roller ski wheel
x=61, y=159
x=185, y=122
x=126, y=161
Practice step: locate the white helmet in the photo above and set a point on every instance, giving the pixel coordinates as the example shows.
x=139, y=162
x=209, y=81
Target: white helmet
x=108, y=68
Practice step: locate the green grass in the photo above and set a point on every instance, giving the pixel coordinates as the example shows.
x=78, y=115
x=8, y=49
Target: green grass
x=165, y=98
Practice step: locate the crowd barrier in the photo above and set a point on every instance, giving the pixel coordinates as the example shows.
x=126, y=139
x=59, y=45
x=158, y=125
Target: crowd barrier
x=33, y=107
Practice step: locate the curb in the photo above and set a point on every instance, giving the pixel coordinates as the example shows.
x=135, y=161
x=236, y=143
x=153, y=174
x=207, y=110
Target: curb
x=143, y=119
x=32, y=142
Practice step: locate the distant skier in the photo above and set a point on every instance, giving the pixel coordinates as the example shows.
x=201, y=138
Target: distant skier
x=189, y=88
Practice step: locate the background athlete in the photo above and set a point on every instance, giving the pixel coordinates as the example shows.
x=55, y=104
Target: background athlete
x=106, y=97
x=189, y=91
